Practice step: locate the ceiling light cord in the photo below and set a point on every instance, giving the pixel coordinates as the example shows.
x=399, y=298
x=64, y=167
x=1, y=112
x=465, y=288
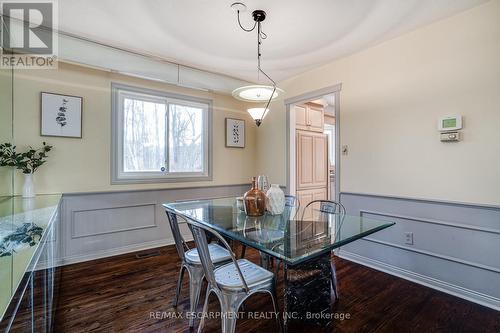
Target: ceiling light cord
x=260, y=35
x=241, y=26
x=259, y=55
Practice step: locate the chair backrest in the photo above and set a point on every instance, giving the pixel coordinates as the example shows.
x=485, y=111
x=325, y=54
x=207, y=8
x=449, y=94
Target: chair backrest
x=291, y=201
x=180, y=244
x=325, y=207
x=291, y=207
x=200, y=239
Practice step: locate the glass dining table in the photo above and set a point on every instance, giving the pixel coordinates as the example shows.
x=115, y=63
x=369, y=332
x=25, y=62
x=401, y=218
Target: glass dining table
x=304, y=245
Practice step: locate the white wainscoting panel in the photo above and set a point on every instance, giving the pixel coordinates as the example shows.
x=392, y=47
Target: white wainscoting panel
x=455, y=246
x=97, y=225
x=95, y=222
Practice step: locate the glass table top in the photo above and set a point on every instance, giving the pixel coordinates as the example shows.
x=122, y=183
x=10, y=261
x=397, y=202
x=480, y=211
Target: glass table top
x=286, y=237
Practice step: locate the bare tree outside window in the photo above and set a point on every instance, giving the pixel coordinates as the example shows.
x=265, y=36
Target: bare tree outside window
x=186, y=139
x=144, y=135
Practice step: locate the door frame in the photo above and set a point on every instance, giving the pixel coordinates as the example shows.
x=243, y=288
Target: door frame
x=290, y=134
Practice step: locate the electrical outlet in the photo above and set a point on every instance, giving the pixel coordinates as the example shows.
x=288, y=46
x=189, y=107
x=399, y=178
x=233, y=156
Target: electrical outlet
x=409, y=238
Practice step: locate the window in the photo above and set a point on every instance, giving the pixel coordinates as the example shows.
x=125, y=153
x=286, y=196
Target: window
x=330, y=132
x=159, y=137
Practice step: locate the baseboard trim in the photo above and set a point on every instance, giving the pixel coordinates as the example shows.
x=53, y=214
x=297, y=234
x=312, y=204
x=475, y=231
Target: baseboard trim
x=470, y=295
x=113, y=252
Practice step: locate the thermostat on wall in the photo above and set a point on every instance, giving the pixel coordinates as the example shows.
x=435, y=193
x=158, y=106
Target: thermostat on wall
x=450, y=123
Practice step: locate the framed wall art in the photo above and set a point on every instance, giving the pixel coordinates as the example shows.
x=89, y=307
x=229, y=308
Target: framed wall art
x=61, y=115
x=235, y=133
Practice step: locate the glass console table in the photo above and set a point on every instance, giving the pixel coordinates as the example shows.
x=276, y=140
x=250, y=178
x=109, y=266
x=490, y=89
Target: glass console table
x=28, y=248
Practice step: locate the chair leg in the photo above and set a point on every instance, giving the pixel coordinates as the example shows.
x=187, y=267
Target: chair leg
x=229, y=322
x=205, y=309
x=179, y=286
x=274, y=298
x=243, y=248
x=195, y=281
x=276, y=274
x=334, y=281
x=230, y=303
x=264, y=260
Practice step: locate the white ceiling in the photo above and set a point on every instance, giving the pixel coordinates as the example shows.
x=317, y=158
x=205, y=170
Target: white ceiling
x=302, y=34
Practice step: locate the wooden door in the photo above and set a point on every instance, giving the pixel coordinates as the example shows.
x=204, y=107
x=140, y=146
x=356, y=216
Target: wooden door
x=307, y=196
x=312, y=159
x=304, y=197
x=320, y=160
x=319, y=194
x=305, y=158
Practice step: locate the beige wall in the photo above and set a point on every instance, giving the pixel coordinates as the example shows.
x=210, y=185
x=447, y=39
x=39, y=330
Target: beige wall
x=391, y=98
x=82, y=165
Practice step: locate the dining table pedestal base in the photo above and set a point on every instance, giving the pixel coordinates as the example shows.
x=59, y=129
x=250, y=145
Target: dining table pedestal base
x=308, y=293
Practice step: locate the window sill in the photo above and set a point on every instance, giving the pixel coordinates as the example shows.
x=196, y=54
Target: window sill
x=181, y=179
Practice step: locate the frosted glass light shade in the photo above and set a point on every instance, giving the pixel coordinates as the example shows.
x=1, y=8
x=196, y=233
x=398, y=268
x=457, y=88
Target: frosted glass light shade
x=257, y=113
x=256, y=93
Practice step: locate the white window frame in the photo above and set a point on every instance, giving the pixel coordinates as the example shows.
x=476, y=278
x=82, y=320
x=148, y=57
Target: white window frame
x=118, y=175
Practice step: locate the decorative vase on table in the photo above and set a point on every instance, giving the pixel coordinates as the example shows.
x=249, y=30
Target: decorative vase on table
x=275, y=200
x=29, y=186
x=255, y=201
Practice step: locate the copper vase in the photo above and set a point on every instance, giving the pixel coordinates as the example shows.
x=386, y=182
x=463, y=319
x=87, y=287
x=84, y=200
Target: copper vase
x=255, y=201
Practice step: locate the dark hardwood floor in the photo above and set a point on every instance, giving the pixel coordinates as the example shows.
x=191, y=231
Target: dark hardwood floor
x=128, y=294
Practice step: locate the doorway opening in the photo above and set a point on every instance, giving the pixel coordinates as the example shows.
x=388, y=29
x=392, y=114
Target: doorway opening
x=313, y=145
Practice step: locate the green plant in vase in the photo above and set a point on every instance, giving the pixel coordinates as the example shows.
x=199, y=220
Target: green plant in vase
x=28, y=162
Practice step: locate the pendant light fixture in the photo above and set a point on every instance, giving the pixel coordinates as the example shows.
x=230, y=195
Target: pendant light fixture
x=256, y=93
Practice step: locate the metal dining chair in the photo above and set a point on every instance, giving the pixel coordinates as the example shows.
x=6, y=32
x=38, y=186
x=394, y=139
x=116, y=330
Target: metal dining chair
x=190, y=261
x=326, y=208
x=232, y=283
x=291, y=200
x=292, y=205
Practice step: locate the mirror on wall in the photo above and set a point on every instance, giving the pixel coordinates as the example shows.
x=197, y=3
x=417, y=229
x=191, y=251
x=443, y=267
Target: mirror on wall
x=6, y=185
x=6, y=135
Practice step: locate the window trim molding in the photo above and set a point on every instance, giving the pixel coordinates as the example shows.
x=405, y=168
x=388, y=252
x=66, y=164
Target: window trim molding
x=115, y=130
